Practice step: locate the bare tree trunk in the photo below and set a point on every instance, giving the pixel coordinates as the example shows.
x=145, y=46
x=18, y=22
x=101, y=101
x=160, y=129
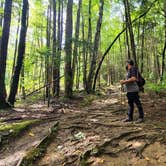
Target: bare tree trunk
x=78, y=70
x=16, y=43
x=3, y=51
x=84, y=55
x=1, y=20
x=164, y=49
x=21, y=52
x=59, y=43
x=22, y=83
x=75, y=50
x=89, y=45
x=68, y=50
x=47, y=58
x=54, y=59
x=95, y=48
x=129, y=25
x=142, y=45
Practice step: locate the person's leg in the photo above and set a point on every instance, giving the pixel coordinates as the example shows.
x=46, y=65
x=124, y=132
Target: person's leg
x=139, y=105
x=131, y=105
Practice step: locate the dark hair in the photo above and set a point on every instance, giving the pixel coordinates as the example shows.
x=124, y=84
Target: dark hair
x=130, y=62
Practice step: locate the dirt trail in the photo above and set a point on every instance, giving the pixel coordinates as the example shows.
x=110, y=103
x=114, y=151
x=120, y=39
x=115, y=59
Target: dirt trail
x=95, y=135
x=98, y=130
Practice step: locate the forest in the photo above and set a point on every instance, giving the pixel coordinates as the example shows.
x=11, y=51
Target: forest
x=61, y=62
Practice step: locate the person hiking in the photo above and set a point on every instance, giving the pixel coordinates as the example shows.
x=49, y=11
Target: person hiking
x=132, y=90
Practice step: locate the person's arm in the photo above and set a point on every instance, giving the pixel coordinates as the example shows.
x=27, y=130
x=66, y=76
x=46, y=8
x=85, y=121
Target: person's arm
x=132, y=79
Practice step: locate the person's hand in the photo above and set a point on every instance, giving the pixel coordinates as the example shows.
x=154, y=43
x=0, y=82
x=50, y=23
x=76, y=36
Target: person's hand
x=122, y=82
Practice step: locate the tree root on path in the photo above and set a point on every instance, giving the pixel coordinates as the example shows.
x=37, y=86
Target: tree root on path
x=99, y=149
x=37, y=152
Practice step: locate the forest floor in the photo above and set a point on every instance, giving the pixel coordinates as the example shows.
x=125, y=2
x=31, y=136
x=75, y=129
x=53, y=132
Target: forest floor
x=89, y=132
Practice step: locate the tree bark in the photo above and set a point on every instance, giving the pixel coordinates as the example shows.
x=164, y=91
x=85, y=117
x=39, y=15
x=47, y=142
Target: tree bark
x=129, y=25
x=142, y=45
x=68, y=50
x=16, y=44
x=84, y=55
x=54, y=54
x=3, y=51
x=59, y=43
x=47, y=58
x=76, y=40
x=1, y=20
x=21, y=52
x=164, y=49
x=95, y=49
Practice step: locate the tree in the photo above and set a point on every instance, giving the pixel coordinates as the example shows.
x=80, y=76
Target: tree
x=1, y=19
x=164, y=49
x=3, y=51
x=95, y=48
x=21, y=53
x=75, y=50
x=113, y=42
x=68, y=49
x=129, y=25
x=59, y=47
x=54, y=53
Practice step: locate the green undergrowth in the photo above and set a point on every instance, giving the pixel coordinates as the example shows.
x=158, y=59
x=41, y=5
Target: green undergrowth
x=158, y=87
x=30, y=99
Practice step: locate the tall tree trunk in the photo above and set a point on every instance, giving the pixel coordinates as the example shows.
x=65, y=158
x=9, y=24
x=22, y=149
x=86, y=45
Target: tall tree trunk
x=142, y=45
x=1, y=19
x=21, y=52
x=22, y=83
x=68, y=49
x=59, y=43
x=128, y=44
x=95, y=48
x=3, y=51
x=47, y=58
x=54, y=54
x=129, y=25
x=164, y=49
x=78, y=70
x=84, y=55
x=16, y=43
x=89, y=45
x=75, y=50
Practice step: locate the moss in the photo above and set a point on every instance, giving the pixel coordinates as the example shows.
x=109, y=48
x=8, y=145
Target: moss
x=37, y=152
x=16, y=127
x=8, y=131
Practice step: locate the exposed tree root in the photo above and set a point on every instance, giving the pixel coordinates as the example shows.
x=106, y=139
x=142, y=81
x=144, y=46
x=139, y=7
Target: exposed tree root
x=38, y=151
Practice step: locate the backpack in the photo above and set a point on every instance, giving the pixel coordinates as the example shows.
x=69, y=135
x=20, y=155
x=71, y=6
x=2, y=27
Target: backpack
x=140, y=81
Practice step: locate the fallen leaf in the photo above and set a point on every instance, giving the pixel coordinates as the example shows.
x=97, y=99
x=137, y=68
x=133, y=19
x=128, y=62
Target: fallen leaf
x=146, y=158
x=31, y=134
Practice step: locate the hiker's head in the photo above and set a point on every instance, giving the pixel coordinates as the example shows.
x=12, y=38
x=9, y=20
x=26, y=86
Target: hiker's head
x=130, y=64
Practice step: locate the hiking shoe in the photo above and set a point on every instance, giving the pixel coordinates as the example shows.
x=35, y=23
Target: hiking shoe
x=140, y=120
x=127, y=120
